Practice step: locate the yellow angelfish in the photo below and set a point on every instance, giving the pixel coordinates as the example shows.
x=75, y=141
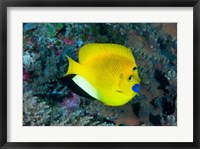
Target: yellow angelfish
x=107, y=72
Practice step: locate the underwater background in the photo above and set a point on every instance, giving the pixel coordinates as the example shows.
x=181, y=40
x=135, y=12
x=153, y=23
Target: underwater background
x=47, y=101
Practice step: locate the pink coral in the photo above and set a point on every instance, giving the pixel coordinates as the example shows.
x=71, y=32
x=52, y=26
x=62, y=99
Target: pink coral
x=71, y=103
x=68, y=41
x=26, y=75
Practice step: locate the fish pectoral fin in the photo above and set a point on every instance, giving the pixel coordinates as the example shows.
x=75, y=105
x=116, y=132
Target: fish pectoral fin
x=117, y=88
x=119, y=91
x=86, y=86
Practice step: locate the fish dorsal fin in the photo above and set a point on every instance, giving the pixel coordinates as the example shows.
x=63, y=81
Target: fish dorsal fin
x=91, y=50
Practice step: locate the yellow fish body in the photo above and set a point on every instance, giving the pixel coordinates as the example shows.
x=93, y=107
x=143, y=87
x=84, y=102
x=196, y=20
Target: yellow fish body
x=107, y=72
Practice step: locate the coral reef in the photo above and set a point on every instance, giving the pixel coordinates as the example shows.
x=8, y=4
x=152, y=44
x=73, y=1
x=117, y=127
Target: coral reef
x=47, y=100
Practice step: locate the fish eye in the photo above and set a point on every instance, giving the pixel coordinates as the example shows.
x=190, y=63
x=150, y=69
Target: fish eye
x=130, y=78
x=134, y=68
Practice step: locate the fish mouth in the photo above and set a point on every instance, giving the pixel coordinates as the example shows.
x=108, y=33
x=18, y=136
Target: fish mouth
x=136, y=88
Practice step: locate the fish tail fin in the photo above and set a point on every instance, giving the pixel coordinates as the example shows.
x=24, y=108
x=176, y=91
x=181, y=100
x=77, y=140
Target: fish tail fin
x=73, y=67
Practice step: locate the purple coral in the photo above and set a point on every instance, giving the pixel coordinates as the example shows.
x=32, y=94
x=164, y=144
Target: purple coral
x=69, y=41
x=26, y=75
x=71, y=103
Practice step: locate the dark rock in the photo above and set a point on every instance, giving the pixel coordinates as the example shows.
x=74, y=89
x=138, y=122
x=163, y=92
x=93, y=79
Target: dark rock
x=155, y=119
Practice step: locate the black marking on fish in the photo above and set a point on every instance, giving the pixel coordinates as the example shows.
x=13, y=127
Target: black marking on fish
x=75, y=88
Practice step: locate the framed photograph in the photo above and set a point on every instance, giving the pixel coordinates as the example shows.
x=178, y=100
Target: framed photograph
x=99, y=74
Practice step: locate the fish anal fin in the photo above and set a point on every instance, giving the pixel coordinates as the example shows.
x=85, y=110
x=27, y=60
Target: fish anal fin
x=86, y=86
